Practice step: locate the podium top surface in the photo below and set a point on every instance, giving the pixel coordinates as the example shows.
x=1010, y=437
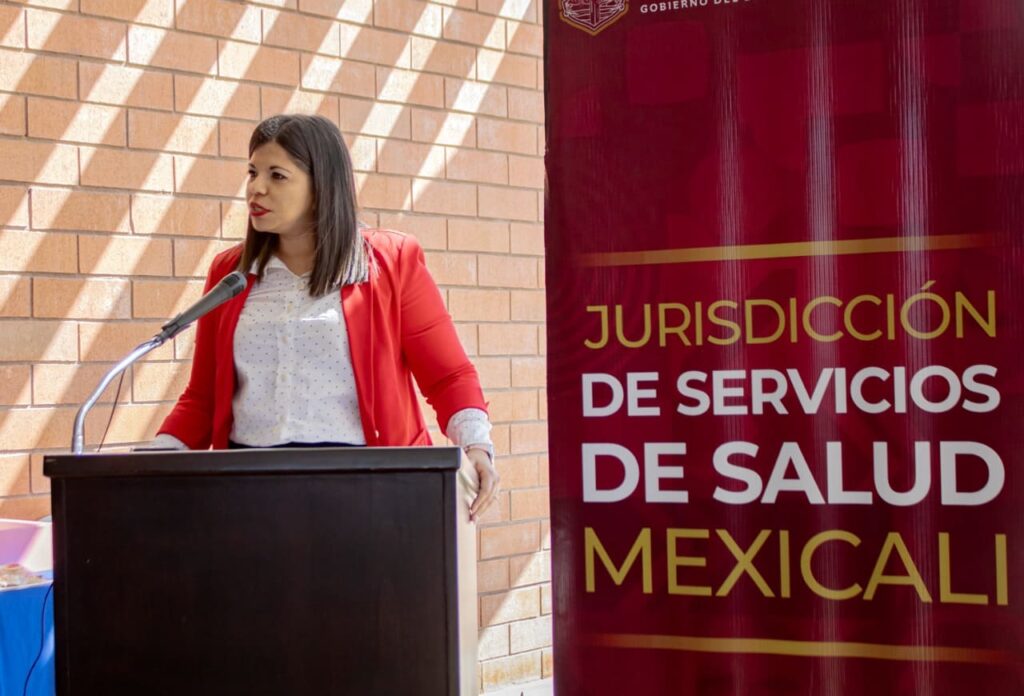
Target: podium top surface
x=254, y=461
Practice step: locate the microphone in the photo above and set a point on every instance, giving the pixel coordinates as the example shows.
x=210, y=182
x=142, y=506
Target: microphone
x=230, y=286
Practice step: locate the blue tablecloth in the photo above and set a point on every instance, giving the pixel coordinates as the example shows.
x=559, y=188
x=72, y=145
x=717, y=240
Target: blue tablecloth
x=26, y=638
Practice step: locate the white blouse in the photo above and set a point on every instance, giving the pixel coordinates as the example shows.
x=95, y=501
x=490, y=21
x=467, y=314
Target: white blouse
x=294, y=370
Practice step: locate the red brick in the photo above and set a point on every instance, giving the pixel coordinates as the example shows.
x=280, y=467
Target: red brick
x=529, y=437
x=526, y=105
x=149, y=171
x=528, y=305
x=359, y=11
x=160, y=48
x=492, y=575
x=525, y=10
x=362, y=150
x=15, y=297
x=12, y=114
x=219, y=18
x=274, y=100
x=453, y=269
x=474, y=165
x=234, y=138
x=527, y=172
x=494, y=373
x=473, y=28
x=527, y=238
x=531, y=635
x=493, y=642
x=369, y=118
x=177, y=216
x=159, y=381
x=33, y=507
x=478, y=305
x=508, y=204
x=507, y=406
x=524, y=38
x=151, y=130
x=131, y=256
x=428, y=230
x=412, y=159
x=409, y=16
x=24, y=341
x=518, y=472
x=530, y=504
x=333, y=75
x=379, y=191
x=111, y=341
x=520, y=138
x=509, y=540
x=510, y=670
x=443, y=128
x=508, y=271
x=156, y=299
x=512, y=605
x=192, y=257
x=31, y=74
x=212, y=177
x=476, y=97
x=16, y=390
x=54, y=119
x=372, y=46
x=124, y=86
x=79, y=36
x=441, y=197
x=477, y=235
x=61, y=209
x=13, y=206
x=440, y=57
x=301, y=32
x=208, y=97
x=506, y=68
x=40, y=252
x=242, y=61
x=12, y=27
x=156, y=12
x=39, y=482
x=508, y=339
x=65, y=384
x=39, y=163
x=234, y=217
x=72, y=298
x=409, y=87
x=14, y=474
x=136, y=423
x=468, y=339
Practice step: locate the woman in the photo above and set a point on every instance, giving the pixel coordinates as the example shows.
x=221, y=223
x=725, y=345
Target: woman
x=336, y=321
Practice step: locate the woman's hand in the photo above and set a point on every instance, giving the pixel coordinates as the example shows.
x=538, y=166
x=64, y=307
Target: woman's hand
x=489, y=482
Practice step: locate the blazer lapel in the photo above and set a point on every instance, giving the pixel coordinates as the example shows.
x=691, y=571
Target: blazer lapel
x=357, y=310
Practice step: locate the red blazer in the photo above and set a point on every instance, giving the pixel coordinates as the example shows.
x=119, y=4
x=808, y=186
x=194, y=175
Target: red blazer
x=398, y=329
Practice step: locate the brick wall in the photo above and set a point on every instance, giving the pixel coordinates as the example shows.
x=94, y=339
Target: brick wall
x=123, y=134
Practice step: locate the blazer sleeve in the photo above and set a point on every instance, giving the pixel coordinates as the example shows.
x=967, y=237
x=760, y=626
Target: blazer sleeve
x=191, y=419
x=430, y=343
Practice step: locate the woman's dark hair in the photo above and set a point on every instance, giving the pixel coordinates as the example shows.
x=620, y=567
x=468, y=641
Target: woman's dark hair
x=315, y=145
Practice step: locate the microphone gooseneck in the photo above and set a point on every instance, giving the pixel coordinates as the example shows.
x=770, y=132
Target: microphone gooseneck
x=230, y=286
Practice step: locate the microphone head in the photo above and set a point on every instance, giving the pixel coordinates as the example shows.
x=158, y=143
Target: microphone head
x=235, y=282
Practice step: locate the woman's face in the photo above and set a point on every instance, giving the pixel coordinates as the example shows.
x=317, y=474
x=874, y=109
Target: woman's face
x=279, y=193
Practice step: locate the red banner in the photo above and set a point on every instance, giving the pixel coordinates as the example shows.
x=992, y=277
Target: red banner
x=783, y=265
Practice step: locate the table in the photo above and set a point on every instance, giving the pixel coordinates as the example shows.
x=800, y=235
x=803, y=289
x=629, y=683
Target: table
x=26, y=631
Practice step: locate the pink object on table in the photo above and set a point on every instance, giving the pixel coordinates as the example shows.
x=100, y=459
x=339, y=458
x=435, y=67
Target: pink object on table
x=29, y=544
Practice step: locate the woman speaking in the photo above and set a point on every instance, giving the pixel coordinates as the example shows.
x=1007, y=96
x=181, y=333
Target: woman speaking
x=323, y=345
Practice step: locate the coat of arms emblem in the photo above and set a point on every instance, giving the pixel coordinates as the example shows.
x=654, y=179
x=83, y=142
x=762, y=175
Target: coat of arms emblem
x=593, y=16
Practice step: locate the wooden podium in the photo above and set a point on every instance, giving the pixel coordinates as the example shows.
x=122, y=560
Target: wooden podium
x=279, y=571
